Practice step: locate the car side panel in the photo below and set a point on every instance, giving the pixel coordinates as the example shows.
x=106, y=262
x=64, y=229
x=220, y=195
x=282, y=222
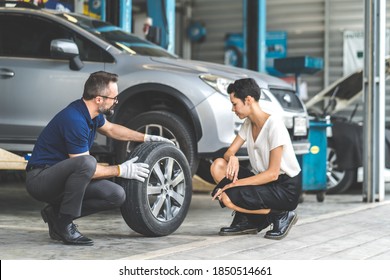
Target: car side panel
x=39, y=89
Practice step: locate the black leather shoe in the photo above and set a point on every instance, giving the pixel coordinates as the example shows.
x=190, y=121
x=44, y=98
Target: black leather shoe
x=282, y=223
x=49, y=216
x=70, y=235
x=240, y=228
x=245, y=224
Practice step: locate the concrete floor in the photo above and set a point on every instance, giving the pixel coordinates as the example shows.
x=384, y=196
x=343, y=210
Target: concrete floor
x=341, y=227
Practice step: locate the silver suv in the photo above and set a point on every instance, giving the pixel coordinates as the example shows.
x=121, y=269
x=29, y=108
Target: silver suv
x=46, y=56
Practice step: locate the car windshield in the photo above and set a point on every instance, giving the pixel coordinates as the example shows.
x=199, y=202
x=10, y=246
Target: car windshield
x=116, y=36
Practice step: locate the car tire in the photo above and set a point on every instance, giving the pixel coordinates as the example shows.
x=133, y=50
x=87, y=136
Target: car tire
x=338, y=180
x=165, y=124
x=159, y=205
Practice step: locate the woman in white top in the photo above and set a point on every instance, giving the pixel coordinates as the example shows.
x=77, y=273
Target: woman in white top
x=269, y=192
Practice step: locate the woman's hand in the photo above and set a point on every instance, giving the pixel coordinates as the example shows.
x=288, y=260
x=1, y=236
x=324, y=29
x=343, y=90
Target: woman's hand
x=220, y=191
x=217, y=194
x=232, y=168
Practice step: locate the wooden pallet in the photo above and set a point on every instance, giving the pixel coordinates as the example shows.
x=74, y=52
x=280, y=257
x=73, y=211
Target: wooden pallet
x=10, y=161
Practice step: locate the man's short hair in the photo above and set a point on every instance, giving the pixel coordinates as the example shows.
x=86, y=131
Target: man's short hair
x=245, y=87
x=97, y=84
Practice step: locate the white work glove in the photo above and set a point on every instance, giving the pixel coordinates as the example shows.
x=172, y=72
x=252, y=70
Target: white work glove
x=155, y=138
x=131, y=170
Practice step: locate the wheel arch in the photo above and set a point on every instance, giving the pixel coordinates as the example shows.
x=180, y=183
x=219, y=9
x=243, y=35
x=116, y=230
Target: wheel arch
x=156, y=97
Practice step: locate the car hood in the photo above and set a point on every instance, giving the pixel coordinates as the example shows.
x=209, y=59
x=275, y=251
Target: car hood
x=226, y=71
x=342, y=93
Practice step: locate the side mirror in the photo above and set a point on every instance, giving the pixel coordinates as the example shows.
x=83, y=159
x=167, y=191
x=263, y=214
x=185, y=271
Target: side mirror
x=66, y=49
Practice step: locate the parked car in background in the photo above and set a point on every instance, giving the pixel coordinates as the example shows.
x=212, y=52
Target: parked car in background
x=345, y=135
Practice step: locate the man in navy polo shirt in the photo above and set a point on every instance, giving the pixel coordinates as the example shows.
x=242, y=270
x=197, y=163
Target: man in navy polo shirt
x=61, y=171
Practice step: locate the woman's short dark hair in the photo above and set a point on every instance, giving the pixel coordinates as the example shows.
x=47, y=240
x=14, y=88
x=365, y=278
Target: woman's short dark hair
x=245, y=87
x=97, y=84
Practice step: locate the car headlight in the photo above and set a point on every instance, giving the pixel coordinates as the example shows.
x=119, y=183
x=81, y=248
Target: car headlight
x=218, y=83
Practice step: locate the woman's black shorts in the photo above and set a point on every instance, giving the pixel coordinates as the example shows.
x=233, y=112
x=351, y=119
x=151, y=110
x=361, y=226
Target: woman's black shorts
x=282, y=194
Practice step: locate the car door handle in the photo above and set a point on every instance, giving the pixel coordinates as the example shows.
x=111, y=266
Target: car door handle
x=6, y=73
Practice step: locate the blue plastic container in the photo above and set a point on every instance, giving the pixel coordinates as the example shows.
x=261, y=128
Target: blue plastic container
x=314, y=163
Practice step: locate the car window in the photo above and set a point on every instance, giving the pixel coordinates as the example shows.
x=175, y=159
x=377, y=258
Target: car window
x=23, y=36
x=28, y=36
x=89, y=51
x=115, y=36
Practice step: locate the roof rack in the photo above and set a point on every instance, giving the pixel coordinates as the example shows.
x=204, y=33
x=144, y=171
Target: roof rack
x=18, y=4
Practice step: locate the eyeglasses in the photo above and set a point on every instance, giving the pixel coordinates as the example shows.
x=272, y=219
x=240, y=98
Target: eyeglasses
x=113, y=98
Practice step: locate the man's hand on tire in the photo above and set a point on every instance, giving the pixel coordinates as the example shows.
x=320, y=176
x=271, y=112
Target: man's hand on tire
x=156, y=138
x=131, y=170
